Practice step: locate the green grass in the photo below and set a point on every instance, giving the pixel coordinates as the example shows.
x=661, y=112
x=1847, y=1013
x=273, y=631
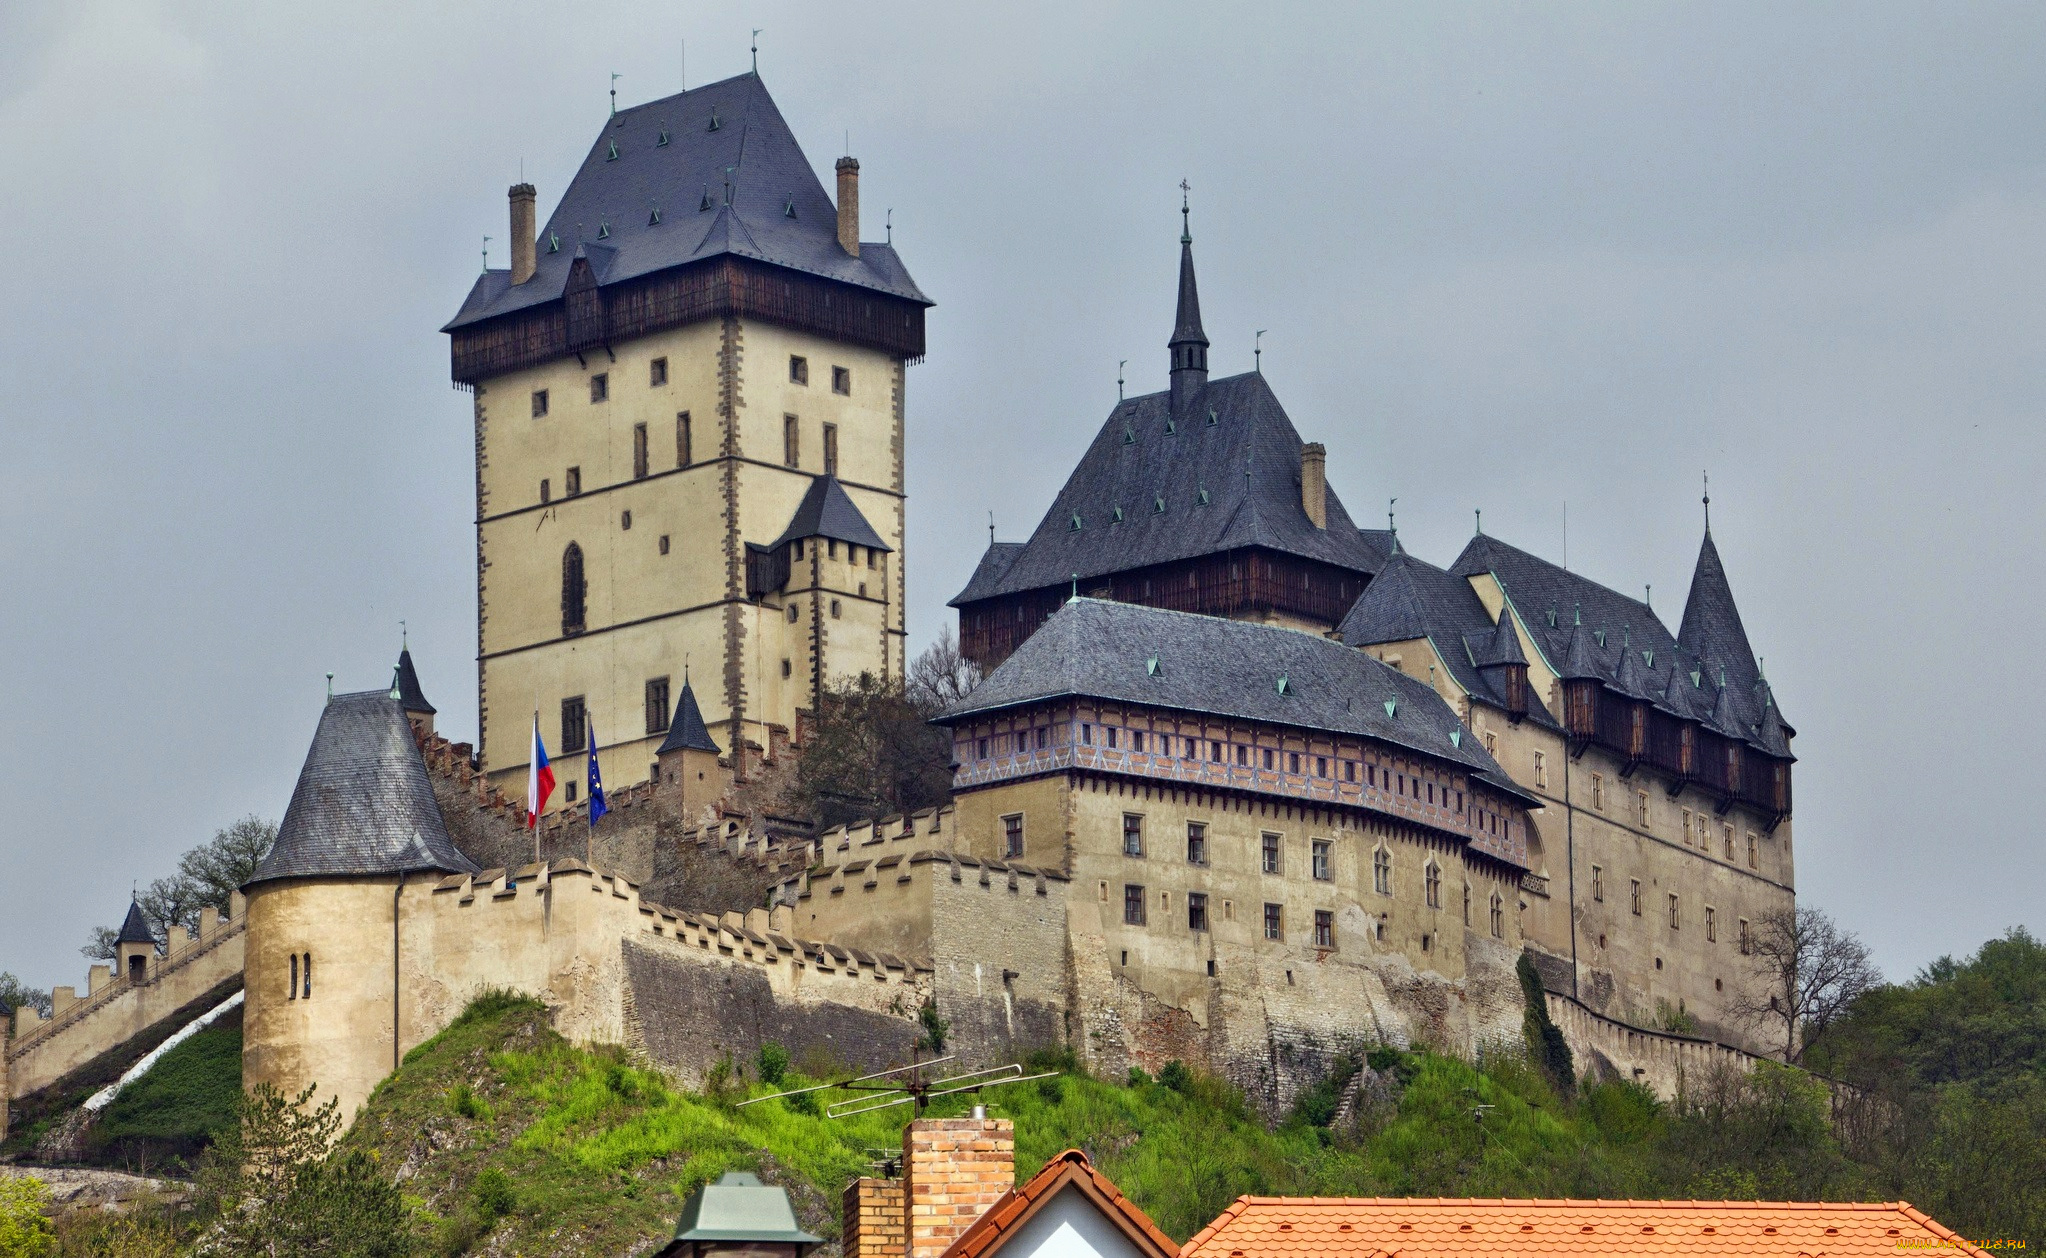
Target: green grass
x=162, y=1121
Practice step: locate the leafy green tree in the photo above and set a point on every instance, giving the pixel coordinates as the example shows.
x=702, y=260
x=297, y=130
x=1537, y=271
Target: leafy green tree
x=271, y=1186
x=15, y=994
x=25, y=1230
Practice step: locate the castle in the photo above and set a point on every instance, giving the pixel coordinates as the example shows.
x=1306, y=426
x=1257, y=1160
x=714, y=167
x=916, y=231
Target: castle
x=1243, y=783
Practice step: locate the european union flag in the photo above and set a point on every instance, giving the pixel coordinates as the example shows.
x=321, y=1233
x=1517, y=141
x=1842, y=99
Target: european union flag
x=596, y=791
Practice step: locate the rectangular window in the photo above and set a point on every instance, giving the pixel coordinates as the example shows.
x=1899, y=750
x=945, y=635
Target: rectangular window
x=1598, y=791
x=600, y=387
x=1270, y=845
x=1133, y=904
x=682, y=457
x=1541, y=770
x=1349, y=770
x=1711, y=924
x=1324, y=928
x=657, y=706
x=1196, y=843
x=1434, y=885
x=1012, y=835
x=1641, y=806
x=1752, y=845
x=791, y=440
x=573, y=725
x=841, y=380
x=1676, y=920
x=1320, y=861
x=1321, y=766
x=1275, y=922
x=639, y=452
x=1747, y=941
x=1687, y=827
x=831, y=449
x=1136, y=740
x=1086, y=734
x=799, y=370
x=1243, y=755
x=657, y=373
x=539, y=404
x=1268, y=757
x=1215, y=752
x=1598, y=883
x=1196, y=911
x=1132, y=834
x=1634, y=896
x=664, y=543
x=546, y=491
x=1114, y=736
x=1498, y=917
x=1381, y=871
x=573, y=482
x=1292, y=762
x=1466, y=906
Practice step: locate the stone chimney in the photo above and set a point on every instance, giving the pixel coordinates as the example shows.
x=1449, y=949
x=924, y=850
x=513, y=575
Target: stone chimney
x=953, y=1171
x=873, y=1220
x=1314, y=482
x=524, y=242
x=849, y=205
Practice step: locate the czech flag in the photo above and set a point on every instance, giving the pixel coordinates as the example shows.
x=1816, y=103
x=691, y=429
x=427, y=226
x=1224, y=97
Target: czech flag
x=539, y=778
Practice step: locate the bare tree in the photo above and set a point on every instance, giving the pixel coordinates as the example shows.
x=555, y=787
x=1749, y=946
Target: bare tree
x=1805, y=970
x=941, y=676
x=217, y=868
x=99, y=944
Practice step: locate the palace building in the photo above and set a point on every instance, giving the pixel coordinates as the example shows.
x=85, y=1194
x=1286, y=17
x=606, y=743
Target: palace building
x=689, y=407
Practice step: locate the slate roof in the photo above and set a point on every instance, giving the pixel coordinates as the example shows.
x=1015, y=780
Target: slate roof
x=1143, y=454
x=1102, y=650
x=410, y=696
x=828, y=511
x=1428, y=1227
x=135, y=927
x=1411, y=598
x=988, y=573
x=363, y=805
x=685, y=178
x=687, y=732
x=1068, y=1171
x=738, y=1207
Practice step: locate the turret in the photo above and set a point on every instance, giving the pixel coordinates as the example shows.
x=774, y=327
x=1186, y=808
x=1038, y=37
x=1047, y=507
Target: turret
x=411, y=699
x=135, y=946
x=688, y=758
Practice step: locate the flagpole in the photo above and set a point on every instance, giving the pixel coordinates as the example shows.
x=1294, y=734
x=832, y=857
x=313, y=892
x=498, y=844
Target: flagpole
x=534, y=768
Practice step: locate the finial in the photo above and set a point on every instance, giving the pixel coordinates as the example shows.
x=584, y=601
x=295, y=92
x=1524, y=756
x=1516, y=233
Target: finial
x=1708, y=500
x=888, y=225
x=1076, y=585
x=1566, y=535
x=1257, y=352
x=1648, y=596
x=486, y=254
x=614, y=93
x=1390, y=525
x=404, y=637
x=1762, y=667
x=756, y=51
x=685, y=668
x=1480, y=513
x=1579, y=614
x=990, y=529
x=330, y=687
x=1185, y=224
x=1118, y=378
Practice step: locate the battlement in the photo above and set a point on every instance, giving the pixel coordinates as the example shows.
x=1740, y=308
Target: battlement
x=103, y=985
x=870, y=873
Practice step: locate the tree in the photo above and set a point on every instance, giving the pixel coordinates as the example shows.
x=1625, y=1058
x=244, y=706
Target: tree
x=1806, y=970
x=99, y=944
x=872, y=751
x=270, y=1186
x=25, y=1230
x=941, y=676
x=217, y=868
x=15, y=994
x=168, y=903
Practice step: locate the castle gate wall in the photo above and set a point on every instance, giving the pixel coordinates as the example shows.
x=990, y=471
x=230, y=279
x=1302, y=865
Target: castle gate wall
x=1657, y=1060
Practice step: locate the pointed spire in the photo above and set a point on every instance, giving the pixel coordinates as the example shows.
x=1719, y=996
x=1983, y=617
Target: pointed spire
x=135, y=928
x=687, y=731
x=1189, y=344
x=1580, y=655
x=1505, y=642
x=1711, y=629
x=405, y=688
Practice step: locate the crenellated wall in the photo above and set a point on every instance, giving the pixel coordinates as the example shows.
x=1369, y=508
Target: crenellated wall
x=1658, y=1060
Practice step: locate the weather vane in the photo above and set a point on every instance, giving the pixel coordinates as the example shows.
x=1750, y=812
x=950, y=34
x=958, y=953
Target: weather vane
x=1257, y=351
x=1118, y=378
x=756, y=51
x=615, y=76
x=486, y=253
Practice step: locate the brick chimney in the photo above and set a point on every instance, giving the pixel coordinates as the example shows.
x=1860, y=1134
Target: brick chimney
x=873, y=1221
x=524, y=243
x=1314, y=482
x=953, y=1170
x=849, y=205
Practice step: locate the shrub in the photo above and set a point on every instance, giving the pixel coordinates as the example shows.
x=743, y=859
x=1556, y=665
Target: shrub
x=25, y=1231
x=1137, y=1077
x=773, y=1063
x=1544, y=1038
x=493, y=1193
x=1176, y=1076
x=935, y=1028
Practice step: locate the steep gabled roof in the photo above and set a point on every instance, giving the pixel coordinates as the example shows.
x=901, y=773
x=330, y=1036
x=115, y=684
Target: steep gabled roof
x=135, y=927
x=687, y=732
x=1068, y=1172
x=988, y=573
x=828, y=511
x=410, y=696
x=1245, y=460
x=363, y=805
x=668, y=158
x=1712, y=629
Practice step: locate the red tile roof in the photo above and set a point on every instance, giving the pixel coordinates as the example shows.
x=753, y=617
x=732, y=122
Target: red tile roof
x=1069, y=1169
x=1422, y=1227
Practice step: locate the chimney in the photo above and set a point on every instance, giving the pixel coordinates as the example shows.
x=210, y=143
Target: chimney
x=953, y=1171
x=849, y=205
x=872, y=1213
x=524, y=244
x=1314, y=482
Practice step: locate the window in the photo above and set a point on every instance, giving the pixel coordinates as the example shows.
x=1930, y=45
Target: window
x=1319, y=861
x=1268, y=757
x=1747, y=940
x=1324, y=928
x=1087, y=733
x=639, y=452
x=664, y=543
x=568, y=791
x=1132, y=834
x=835, y=609
x=291, y=991
x=1243, y=755
x=1711, y=924
x=1275, y=922
x=573, y=590
x=572, y=483
x=546, y=491
x=1598, y=883
x=600, y=387
x=306, y=971
x=799, y=370
x=831, y=449
x=1269, y=843
x=1196, y=843
x=1133, y=904
x=1541, y=770
x=980, y=749
x=625, y=521
x=1012, y=835
x=657, y=373
x=1292, y=762
x=1467, y=906
x=1381, y=871
x=1598, y=791
x=1321, y=766
x=574, y=726
x=1136, y=740
x=657, y=705
x=1196, y=911
x=1641, y=808
x=539, y=404
x=682, y=439
x=787, y=668
x=841, y=380
x=1349, y=770
x=790, y=440
x=1498, y=917
x=1491, y=743
x=1634, y=896
x=1043, y=736
x=1752, y=845
x=1687, y=827
x=1676, y=921
x=793, y=610
x=1434, y=879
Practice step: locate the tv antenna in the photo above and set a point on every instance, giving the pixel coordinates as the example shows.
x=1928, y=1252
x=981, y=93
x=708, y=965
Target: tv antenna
x=907, y=1085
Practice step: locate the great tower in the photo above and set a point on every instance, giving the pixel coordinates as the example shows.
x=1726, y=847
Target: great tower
x=689, y=410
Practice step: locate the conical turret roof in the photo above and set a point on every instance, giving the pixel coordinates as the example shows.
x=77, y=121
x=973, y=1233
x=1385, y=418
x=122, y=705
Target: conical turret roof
x=687, y=732
x=1712, y=629
x=410, y=697
x=1186, y=324
x=135, y=928
x=363, y=805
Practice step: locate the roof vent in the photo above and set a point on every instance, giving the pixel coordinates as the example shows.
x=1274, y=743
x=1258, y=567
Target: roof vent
x=1282, y=684
x=1170, y=427
x=789, y=210
x=1213, y=418
x=705, y=203
x=1552, y=618
x=1151, y=667
x=1076, y=521
x=663, y=141
x=654, y=218
x=1392, y=707
x=1160, y=508
x=713, y=117
x=1648, y=657
x=603, y=231
x=1600, y=634
x=1456, y=737
x=612, y=156
x=1129, y=435
x=1118, y=515
x=1204, y=496
x=553, y=243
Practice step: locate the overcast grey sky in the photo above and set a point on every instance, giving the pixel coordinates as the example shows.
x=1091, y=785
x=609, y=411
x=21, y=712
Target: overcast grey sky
x=1508, y=256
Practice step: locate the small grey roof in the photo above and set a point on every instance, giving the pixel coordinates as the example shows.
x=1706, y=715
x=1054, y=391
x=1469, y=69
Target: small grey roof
x=687, y=732
x=1100, y=649
x=135, y=927
x=987, y=574
x=738, y=1207
x=1144, y=454
x=779, y=211
x=410, y=696
x=363, y=804
x=828, y=511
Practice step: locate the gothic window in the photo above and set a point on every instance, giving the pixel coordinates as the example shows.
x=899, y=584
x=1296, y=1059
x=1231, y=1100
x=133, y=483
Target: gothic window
x=1196, y=911
x=1320, y=861
x=639, y=452
x=573, y=590
x=600, y=387
x=1381, y=871
x=307, y=975
x=1133, y=904
x=291, y=992
x=657, y=373
x=1498, y=917
x=657, y=705
x=1434, y=875
x=539, y=404
x=574, y=726
x=682, y=439
x=1012, y=835
x=831, y=449
x=1132, y=834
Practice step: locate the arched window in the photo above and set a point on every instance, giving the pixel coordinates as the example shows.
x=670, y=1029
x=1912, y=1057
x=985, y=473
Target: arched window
x=291, y=992
x=1434, y=885
x=308, y=972
x=138, y=970
x=573, y=590
x=1498, y=917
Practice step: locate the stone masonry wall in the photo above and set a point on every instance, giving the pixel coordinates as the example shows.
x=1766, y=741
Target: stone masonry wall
x=1657, y=1060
